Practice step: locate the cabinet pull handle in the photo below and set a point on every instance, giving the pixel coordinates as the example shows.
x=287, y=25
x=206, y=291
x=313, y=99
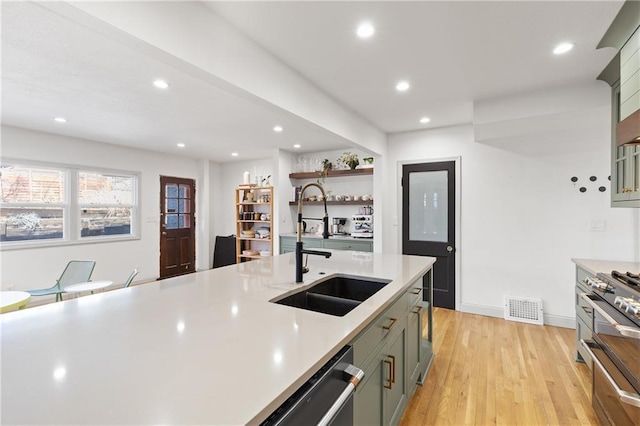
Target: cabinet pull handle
x=393, y=369
x=587, y=310
x=416, y=310
x=390, y=326
x=416, y=290
x=386, y=361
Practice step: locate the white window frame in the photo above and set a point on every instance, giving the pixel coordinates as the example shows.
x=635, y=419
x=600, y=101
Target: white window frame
x=71, y=208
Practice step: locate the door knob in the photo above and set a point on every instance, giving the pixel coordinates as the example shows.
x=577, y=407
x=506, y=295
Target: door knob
x=164, y=233
x=449, y=249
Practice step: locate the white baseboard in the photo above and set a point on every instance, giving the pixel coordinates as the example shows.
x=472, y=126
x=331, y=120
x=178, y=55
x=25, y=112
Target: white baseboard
x=490, y=311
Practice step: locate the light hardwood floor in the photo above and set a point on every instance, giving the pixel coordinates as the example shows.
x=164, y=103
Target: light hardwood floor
x=491, y=371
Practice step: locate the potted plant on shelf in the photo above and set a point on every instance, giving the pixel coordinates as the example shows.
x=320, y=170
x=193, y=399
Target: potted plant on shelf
x=326, y=166
x=349, y=159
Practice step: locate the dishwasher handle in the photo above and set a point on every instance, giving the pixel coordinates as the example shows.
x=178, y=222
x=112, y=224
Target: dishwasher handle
x=355, y=376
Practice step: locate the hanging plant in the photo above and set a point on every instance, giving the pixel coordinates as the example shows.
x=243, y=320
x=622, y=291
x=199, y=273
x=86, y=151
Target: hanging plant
x=326, y=166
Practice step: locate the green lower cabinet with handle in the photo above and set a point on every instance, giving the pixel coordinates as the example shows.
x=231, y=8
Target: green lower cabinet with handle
x=367, y=400
x=395, y=355
x=395, y=395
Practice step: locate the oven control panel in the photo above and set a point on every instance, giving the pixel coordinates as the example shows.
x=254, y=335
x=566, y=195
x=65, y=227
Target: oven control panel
x=597, y=283
x=629, y=304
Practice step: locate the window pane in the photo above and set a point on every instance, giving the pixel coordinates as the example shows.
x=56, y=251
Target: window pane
x=185, y=191
x=20, y=184
x=171, y=191
x=428, y=206
x=171, y=205
x=97, y=188
x=23, y=224
x=171, y=221
x=105, y=221
x=185, y=206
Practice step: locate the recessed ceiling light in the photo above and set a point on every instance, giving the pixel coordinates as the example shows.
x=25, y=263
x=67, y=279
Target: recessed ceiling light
x=234, y=154
x=297, y=145
x=424, y=120
x=180, y=145
x=563, y=48
x=60, y=119
x=161, y=84
x=402, y=86
x=278, y=129
x=365, y=30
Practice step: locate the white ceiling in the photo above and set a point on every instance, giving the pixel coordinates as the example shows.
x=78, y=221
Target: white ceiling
x=452, y=53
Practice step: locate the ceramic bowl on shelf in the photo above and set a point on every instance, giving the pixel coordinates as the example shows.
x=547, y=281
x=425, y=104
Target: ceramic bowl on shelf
x=250, y=252
x=249, y=233
x=265, y=253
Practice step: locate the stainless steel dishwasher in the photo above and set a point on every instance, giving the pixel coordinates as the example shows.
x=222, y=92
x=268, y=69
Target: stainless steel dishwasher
x=325, y=399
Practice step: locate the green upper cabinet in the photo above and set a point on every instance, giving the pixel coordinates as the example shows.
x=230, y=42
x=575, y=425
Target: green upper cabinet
x=623, y=75
x=625, y=159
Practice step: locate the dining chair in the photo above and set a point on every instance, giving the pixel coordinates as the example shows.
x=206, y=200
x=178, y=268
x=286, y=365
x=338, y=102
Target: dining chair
x=129, y=280
x=76, y=271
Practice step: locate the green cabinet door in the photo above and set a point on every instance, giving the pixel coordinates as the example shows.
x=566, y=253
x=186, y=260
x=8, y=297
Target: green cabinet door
x=367, y=401
x=396, y=388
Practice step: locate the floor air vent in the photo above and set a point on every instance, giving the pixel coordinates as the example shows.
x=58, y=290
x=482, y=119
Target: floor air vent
x=523, y=309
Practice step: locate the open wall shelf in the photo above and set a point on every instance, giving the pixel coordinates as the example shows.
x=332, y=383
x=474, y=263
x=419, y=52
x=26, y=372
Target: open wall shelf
x=332, y=173
x=334, y=203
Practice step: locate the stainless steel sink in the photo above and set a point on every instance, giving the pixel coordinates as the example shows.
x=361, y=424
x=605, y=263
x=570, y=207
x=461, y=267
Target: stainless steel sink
x=336, y=295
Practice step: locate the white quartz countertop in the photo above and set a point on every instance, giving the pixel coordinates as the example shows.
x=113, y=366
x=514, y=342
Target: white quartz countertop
x=204, y=348
x=594, y=266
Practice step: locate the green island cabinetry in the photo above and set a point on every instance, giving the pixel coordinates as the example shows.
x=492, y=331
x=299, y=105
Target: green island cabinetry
x=395, y=352
x=288, y=244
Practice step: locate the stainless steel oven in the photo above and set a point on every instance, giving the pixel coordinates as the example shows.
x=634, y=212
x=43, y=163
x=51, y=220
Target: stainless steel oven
x=615, y=348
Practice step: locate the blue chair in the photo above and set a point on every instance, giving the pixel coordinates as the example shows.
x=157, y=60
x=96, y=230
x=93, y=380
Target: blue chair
x=77, y=271
x=129, y=280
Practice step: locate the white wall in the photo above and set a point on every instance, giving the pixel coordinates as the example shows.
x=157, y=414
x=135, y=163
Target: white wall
x=39, y=267
x=522, y=219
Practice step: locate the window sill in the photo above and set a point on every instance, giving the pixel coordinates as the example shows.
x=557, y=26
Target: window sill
x=8, y=246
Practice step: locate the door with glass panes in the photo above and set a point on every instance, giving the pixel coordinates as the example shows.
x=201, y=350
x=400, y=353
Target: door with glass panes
x=177, y=226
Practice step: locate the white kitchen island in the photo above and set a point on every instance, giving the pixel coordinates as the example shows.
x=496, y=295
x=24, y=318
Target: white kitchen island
x=204, y=348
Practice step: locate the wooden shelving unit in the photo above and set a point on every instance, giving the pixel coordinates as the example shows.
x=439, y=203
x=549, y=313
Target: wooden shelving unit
x=253, y=212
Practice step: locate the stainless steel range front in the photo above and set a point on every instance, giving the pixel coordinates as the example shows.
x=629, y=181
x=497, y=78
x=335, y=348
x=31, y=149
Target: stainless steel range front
x=615, y=348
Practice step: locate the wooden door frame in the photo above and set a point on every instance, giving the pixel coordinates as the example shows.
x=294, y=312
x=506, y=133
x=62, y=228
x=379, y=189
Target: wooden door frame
x=458, y=200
